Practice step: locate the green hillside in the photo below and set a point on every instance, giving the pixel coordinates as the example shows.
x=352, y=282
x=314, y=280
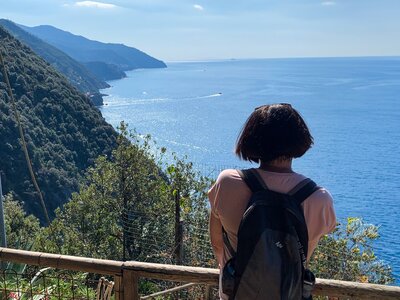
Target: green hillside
x=79, y=76
x=63, y=130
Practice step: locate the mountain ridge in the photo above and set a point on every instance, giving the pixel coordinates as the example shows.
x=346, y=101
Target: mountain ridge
x=78, y=74
x=86, y=50
x=87, y=64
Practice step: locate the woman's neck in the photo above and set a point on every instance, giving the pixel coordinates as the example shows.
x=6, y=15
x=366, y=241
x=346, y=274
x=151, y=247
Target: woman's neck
x=278, y=165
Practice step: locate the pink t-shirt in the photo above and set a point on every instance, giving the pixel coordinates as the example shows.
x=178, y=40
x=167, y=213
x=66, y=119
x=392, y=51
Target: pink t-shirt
x=230, y=195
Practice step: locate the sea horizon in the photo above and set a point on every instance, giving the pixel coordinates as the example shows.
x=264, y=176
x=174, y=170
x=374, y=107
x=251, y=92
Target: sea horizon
x=396, y=56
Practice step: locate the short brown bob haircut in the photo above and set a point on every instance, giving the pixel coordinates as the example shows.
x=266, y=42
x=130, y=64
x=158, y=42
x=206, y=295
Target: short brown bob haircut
x=275, y=131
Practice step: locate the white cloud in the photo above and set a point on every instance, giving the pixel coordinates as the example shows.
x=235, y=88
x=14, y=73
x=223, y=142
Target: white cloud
x=94, y=4
x=198, y=7
x=328, y=3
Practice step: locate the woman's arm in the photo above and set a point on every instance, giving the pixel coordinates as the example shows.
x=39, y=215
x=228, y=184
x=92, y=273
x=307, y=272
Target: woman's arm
x=217, y=242
x=320, y=217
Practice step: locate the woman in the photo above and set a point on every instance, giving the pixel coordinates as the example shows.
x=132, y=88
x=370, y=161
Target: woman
x=272, y=136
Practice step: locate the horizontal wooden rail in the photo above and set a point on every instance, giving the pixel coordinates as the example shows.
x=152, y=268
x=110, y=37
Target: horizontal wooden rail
x=355, y=290
x=332, y=288
x=65, y=262
x=169, y=291
x=174, y=272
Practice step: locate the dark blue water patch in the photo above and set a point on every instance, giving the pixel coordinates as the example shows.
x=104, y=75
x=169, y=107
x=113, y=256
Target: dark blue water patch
x=352, y=106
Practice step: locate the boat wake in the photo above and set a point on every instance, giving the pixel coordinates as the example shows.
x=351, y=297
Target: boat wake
x=209, y=96
x=118, y=101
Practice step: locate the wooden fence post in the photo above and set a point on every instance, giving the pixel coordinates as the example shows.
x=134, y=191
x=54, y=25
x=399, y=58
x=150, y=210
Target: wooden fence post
x=118, y=288
x=208, y=292
x=130, y=285
x=178, y=230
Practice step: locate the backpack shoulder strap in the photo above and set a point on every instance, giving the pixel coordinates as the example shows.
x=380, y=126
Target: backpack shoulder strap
x=253, y=180
x=255, y=183
x=303, y=190
x=299, y=193
x=227, y=243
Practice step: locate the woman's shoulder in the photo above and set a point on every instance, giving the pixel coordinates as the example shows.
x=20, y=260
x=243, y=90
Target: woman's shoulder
x=319, y=213
x=322, y=194
x=229, y=178
x=321, y=202
x=228, y=191
x=228, y=175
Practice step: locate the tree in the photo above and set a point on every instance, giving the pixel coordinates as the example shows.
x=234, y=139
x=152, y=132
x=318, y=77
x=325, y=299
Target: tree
x=188, y=190
x=125, y=208
x=21, y=229
x=347, y=254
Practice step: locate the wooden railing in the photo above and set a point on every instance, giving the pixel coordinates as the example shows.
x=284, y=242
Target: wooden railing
x=126, y=275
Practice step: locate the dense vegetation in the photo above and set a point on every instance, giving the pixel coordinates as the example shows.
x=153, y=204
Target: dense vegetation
x=347, y=254
x=84, y=50
x=128, y=202
x=65, y=133
x=78, y=75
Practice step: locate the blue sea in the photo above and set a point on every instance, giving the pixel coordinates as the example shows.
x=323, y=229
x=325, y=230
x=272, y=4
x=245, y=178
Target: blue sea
x=352, y=106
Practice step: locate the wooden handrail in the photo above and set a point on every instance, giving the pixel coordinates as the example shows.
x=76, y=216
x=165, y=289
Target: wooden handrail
x=169, y=291
x=66, y=262
x=128, y=273
x=173, y=272
x=355, y=290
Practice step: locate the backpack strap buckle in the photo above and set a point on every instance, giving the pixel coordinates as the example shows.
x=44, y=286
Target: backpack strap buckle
x=308, y=284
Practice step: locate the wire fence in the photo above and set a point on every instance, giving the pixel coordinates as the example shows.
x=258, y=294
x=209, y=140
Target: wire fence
x=155, y=235
x=27, y=282
x=31, y=283
x=196, y=245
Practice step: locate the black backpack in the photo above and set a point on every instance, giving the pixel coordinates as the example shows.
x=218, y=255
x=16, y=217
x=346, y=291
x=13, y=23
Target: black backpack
x=270, y=262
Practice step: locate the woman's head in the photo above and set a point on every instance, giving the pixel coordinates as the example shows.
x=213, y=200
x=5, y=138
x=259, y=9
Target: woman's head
x=272, y=132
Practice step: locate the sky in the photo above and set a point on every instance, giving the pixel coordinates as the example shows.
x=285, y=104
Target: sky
x=180, y=30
